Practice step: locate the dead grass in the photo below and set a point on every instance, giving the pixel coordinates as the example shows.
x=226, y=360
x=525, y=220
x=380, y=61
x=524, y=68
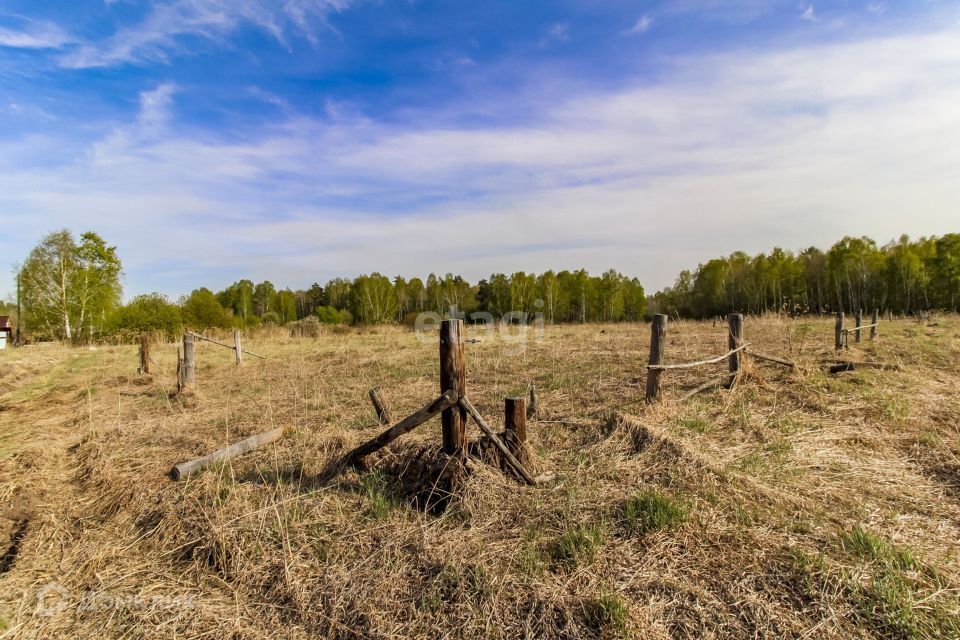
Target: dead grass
x=797, y=505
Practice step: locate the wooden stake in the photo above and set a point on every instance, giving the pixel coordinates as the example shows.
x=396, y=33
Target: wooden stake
x=838, y=332
x=735, y=340
x=237, y=348
x=515, y=426
x=380, y=406
x=184, y=469
x=874, y=321
x=453, y=378
x=658, y=342
x=411, y=422
x=189, y=370
x=469, y=408
x=534, y=404
x=859, y=321
x=144, y=354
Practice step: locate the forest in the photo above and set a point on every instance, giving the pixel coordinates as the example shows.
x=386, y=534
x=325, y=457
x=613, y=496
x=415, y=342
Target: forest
x=72, y=290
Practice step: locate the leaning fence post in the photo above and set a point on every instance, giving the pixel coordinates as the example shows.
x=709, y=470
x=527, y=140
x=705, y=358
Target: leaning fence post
x=859, y=321
x=188, y=373
x=380, y=406
x=144, y=354
x=236, y=346
x=838, y=332
x=658, y=339
x=453, y=378
x=874, y=320
x=515, y=426
x=735, y=340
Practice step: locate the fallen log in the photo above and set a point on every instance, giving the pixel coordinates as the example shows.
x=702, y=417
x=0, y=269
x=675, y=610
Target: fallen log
x=411, y=422
x=184, y=469
x=709, y=384
x=769, y=358
x=468, y=406
x=852, y=366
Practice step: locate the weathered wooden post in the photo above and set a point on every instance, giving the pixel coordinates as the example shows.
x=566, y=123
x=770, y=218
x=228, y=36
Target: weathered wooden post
x=859, y=321
x=534, y=401
x=515, y=426
x=838, y=332
x=874, y=321
x=380, y=406
x=188, y=372
x=144, y=354
x=658, y=341
x=236, y=346
x=735, y=340
x=453, y=377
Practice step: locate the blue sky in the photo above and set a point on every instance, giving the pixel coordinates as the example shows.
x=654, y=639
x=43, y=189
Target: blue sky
x=300, y=140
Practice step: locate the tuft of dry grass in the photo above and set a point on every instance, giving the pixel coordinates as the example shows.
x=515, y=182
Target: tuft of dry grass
x=795, y=505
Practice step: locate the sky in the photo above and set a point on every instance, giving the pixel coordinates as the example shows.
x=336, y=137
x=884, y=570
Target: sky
x=300, y=140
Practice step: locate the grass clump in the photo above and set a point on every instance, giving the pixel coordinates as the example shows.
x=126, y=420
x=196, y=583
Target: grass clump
x=609, y=614
x=576, y=545
x=650, y=511
x=888, y=592
x=379, y=503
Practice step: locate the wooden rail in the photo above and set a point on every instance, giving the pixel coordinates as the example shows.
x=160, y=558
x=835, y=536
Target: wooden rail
x=698, y=363
x=223, y=344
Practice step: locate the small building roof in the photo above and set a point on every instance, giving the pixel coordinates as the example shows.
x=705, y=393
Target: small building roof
x=5, y=322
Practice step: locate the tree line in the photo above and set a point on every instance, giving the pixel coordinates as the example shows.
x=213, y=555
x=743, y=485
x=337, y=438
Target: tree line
x=71, y=289
x=903, y=276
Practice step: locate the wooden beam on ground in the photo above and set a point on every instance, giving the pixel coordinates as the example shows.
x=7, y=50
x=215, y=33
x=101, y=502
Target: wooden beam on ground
x=468, y=406
x=184, y=469
x=444, y=402
x=769, y=358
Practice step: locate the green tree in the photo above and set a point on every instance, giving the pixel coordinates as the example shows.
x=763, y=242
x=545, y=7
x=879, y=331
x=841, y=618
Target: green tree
x=373, y=300
x=69, y=288
x=200, y=310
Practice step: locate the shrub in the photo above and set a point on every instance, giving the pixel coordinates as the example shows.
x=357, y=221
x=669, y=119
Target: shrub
x=329, y=315
x=151, y=312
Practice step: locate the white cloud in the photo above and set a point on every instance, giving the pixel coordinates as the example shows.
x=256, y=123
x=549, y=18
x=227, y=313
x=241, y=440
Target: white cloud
x=35, y=35
x=559, y=31
x=641, y=26
x=169, y=27
x=808, y=14
x=791, y=147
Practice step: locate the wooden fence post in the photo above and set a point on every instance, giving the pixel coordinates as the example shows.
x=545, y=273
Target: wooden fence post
x=453, y=378
x=144, y=354
x=874, y=320
x=658, y=341
x=838, y=332
x=735, y=320
x=859, y=321
x=236, y=346
x=515, y=426
x=188, y=373
x=380, y=406
x=534, y=401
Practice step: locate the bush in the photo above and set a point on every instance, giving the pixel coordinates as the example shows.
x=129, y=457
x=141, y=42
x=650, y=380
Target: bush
x=148, y=313
x=202, y=311
x=329, y=315
x=270, y=318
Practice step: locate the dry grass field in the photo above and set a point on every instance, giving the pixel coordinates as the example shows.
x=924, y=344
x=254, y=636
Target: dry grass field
x=797, y=505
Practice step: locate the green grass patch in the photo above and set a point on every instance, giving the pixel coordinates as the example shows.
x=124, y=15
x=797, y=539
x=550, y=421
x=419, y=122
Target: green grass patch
x=649, y=511
x=608, y=614
x=575, y=546
x=374, y=487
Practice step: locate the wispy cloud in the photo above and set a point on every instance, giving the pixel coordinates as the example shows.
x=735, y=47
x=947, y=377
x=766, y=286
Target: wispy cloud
x=753, y=149
x=35, y=35
x=169, y=28
x=808, y=14
x=640, y=26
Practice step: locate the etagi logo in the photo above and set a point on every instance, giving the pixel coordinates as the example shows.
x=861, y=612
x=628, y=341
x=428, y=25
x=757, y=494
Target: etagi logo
x=54, y=599
x=513, y=329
